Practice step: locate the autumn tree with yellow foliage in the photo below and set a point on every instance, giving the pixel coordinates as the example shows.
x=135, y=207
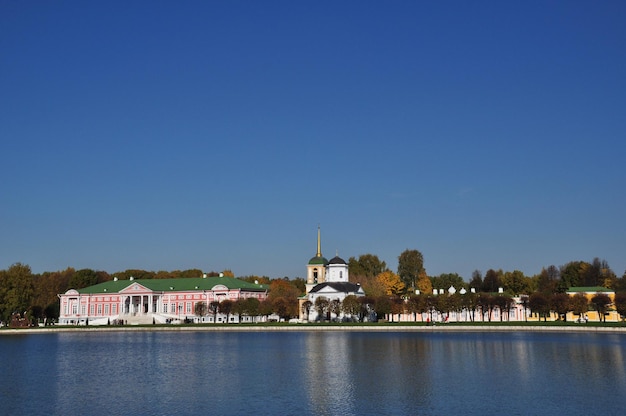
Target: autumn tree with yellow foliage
x=394, y=286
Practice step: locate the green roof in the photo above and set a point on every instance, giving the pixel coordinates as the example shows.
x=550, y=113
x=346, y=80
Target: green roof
x=588, y=289
x=319, y=260
x=174, y=285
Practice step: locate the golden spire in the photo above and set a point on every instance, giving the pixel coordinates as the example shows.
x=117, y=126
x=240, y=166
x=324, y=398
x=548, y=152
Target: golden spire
x=319, y=243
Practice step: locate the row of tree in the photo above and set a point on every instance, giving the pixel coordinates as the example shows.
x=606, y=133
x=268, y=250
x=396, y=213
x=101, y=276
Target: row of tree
x=478, y=306
x=21, y=290
x=377, y=279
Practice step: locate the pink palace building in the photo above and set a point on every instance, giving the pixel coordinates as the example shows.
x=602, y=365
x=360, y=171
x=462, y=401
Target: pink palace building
x=146, y=301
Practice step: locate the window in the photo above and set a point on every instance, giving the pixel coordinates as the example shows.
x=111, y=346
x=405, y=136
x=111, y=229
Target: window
x=188, y=304
x=92, y=309
x=165, y=308
x=106, y=309
x=83, y=309
x=114, y=308
x=99, y=309
x=173, y=307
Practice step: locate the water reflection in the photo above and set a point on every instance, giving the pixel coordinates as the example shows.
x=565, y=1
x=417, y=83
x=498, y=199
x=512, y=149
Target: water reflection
x=329, y=376
x=353, y=373
x=325, y=373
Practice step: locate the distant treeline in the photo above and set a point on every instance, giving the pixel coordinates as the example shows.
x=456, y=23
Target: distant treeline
x=22, y=291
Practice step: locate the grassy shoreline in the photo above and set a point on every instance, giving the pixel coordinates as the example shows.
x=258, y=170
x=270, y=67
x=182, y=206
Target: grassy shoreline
x=334, y=327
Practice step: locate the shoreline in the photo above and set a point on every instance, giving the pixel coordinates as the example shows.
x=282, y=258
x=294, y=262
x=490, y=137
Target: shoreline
x=314, y=328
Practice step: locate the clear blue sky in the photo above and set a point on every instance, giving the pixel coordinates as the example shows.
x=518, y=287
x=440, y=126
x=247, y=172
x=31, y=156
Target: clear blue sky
x=165, y=135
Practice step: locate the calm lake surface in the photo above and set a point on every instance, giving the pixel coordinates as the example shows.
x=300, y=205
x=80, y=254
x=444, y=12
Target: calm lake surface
x=312, y=373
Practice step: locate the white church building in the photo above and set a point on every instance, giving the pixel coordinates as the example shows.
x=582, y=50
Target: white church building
x=327, y=279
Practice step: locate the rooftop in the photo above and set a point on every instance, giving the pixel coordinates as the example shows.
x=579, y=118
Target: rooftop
x=170, y=285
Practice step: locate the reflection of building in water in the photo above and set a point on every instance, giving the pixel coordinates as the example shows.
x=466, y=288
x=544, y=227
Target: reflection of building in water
x=328, y=374
x=326, y=279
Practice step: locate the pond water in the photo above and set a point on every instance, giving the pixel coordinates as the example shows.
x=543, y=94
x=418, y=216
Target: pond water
x=312, y=373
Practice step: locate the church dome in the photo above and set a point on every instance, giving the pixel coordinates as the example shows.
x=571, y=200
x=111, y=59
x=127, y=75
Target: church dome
x=337, y=260
x=321, y=260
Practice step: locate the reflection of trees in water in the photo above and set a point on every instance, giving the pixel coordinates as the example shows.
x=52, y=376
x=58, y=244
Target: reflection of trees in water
x=329, y=379
x=349, y=371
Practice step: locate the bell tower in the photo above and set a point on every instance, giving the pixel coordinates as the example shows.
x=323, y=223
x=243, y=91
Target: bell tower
x=316, y=268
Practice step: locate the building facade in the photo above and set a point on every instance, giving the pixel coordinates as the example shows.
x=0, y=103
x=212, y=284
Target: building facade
x=145, y=301
x=518, y=311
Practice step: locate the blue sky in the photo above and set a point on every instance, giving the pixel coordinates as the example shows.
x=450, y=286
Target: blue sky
x=167, y=135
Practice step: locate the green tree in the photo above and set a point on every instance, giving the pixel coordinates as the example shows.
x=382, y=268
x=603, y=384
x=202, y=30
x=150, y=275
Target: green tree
x=127, y=274
x=411, y=267
x=620, y=284
x=548, y=280
x=383, y=307
x=491, y=283
x=367, y=265
x=239, y=307
x=516, y=283
x=443, y=305
x=351, y=306
x=16, y=290
x=83, y=278
x=299, y=283
x=261, y=280
x=570, y=274
x=252, y=307
x=598, y=274
x=447, y=280
x=477, y=280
